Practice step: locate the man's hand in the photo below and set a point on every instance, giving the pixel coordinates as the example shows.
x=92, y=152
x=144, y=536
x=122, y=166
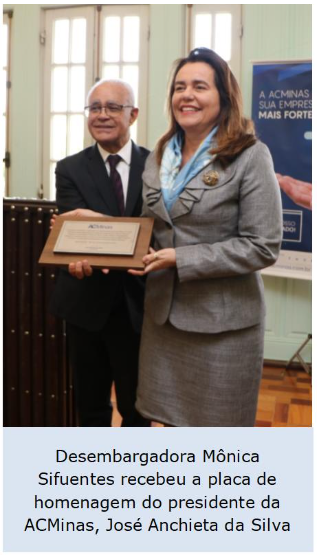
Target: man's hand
x=82, y=269
x=53, y=220
x=299, y=191
x=79, y=213
x=154, y=261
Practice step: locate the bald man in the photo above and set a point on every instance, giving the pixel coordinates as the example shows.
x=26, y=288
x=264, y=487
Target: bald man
x=103, y=312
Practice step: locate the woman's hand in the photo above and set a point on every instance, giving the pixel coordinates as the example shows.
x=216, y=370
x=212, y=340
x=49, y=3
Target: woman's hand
x=156, y=260
x=79, y=212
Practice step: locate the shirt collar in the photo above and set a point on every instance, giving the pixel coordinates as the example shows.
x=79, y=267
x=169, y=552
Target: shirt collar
x=125, y=152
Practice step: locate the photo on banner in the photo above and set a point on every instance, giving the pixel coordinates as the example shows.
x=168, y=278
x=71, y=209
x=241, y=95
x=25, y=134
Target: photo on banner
x=282, y=113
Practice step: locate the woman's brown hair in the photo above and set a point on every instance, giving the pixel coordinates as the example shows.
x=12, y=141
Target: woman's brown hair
x=235, y=132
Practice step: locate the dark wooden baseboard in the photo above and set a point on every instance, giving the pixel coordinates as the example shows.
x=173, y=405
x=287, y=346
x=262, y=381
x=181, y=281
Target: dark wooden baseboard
x=282, y=364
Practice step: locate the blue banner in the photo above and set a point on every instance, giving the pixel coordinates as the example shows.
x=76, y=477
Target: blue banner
x=282, y=113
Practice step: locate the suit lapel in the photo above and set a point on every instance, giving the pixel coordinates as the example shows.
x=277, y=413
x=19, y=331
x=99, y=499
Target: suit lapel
x=98, y=173
x=194, y=190
x=154, y=198
x=135, y=180
x=191, y=193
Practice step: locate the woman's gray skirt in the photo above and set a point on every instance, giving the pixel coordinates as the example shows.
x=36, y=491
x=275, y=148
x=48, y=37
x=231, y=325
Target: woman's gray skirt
x=195, y=379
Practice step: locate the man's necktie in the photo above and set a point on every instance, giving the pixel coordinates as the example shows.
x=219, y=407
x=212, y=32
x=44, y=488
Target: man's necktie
x=113, y=160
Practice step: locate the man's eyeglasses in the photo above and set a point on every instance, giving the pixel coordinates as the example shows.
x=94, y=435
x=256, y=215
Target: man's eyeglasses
x=110, y=108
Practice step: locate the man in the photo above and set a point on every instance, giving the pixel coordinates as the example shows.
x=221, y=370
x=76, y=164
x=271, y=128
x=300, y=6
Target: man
x=103, y=312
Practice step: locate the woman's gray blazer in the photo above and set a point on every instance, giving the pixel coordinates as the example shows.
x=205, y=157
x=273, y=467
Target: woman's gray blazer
x=223, y=234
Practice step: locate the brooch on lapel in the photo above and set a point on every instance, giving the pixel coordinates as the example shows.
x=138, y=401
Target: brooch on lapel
x=211, y=178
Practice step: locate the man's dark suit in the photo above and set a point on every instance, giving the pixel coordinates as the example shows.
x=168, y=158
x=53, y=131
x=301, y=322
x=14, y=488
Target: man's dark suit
x=103, y=312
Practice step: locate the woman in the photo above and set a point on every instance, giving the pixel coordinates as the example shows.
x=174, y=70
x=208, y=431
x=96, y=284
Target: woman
x=211, y=187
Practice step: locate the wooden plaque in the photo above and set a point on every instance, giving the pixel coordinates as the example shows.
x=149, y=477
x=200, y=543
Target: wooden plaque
x=115, y=262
